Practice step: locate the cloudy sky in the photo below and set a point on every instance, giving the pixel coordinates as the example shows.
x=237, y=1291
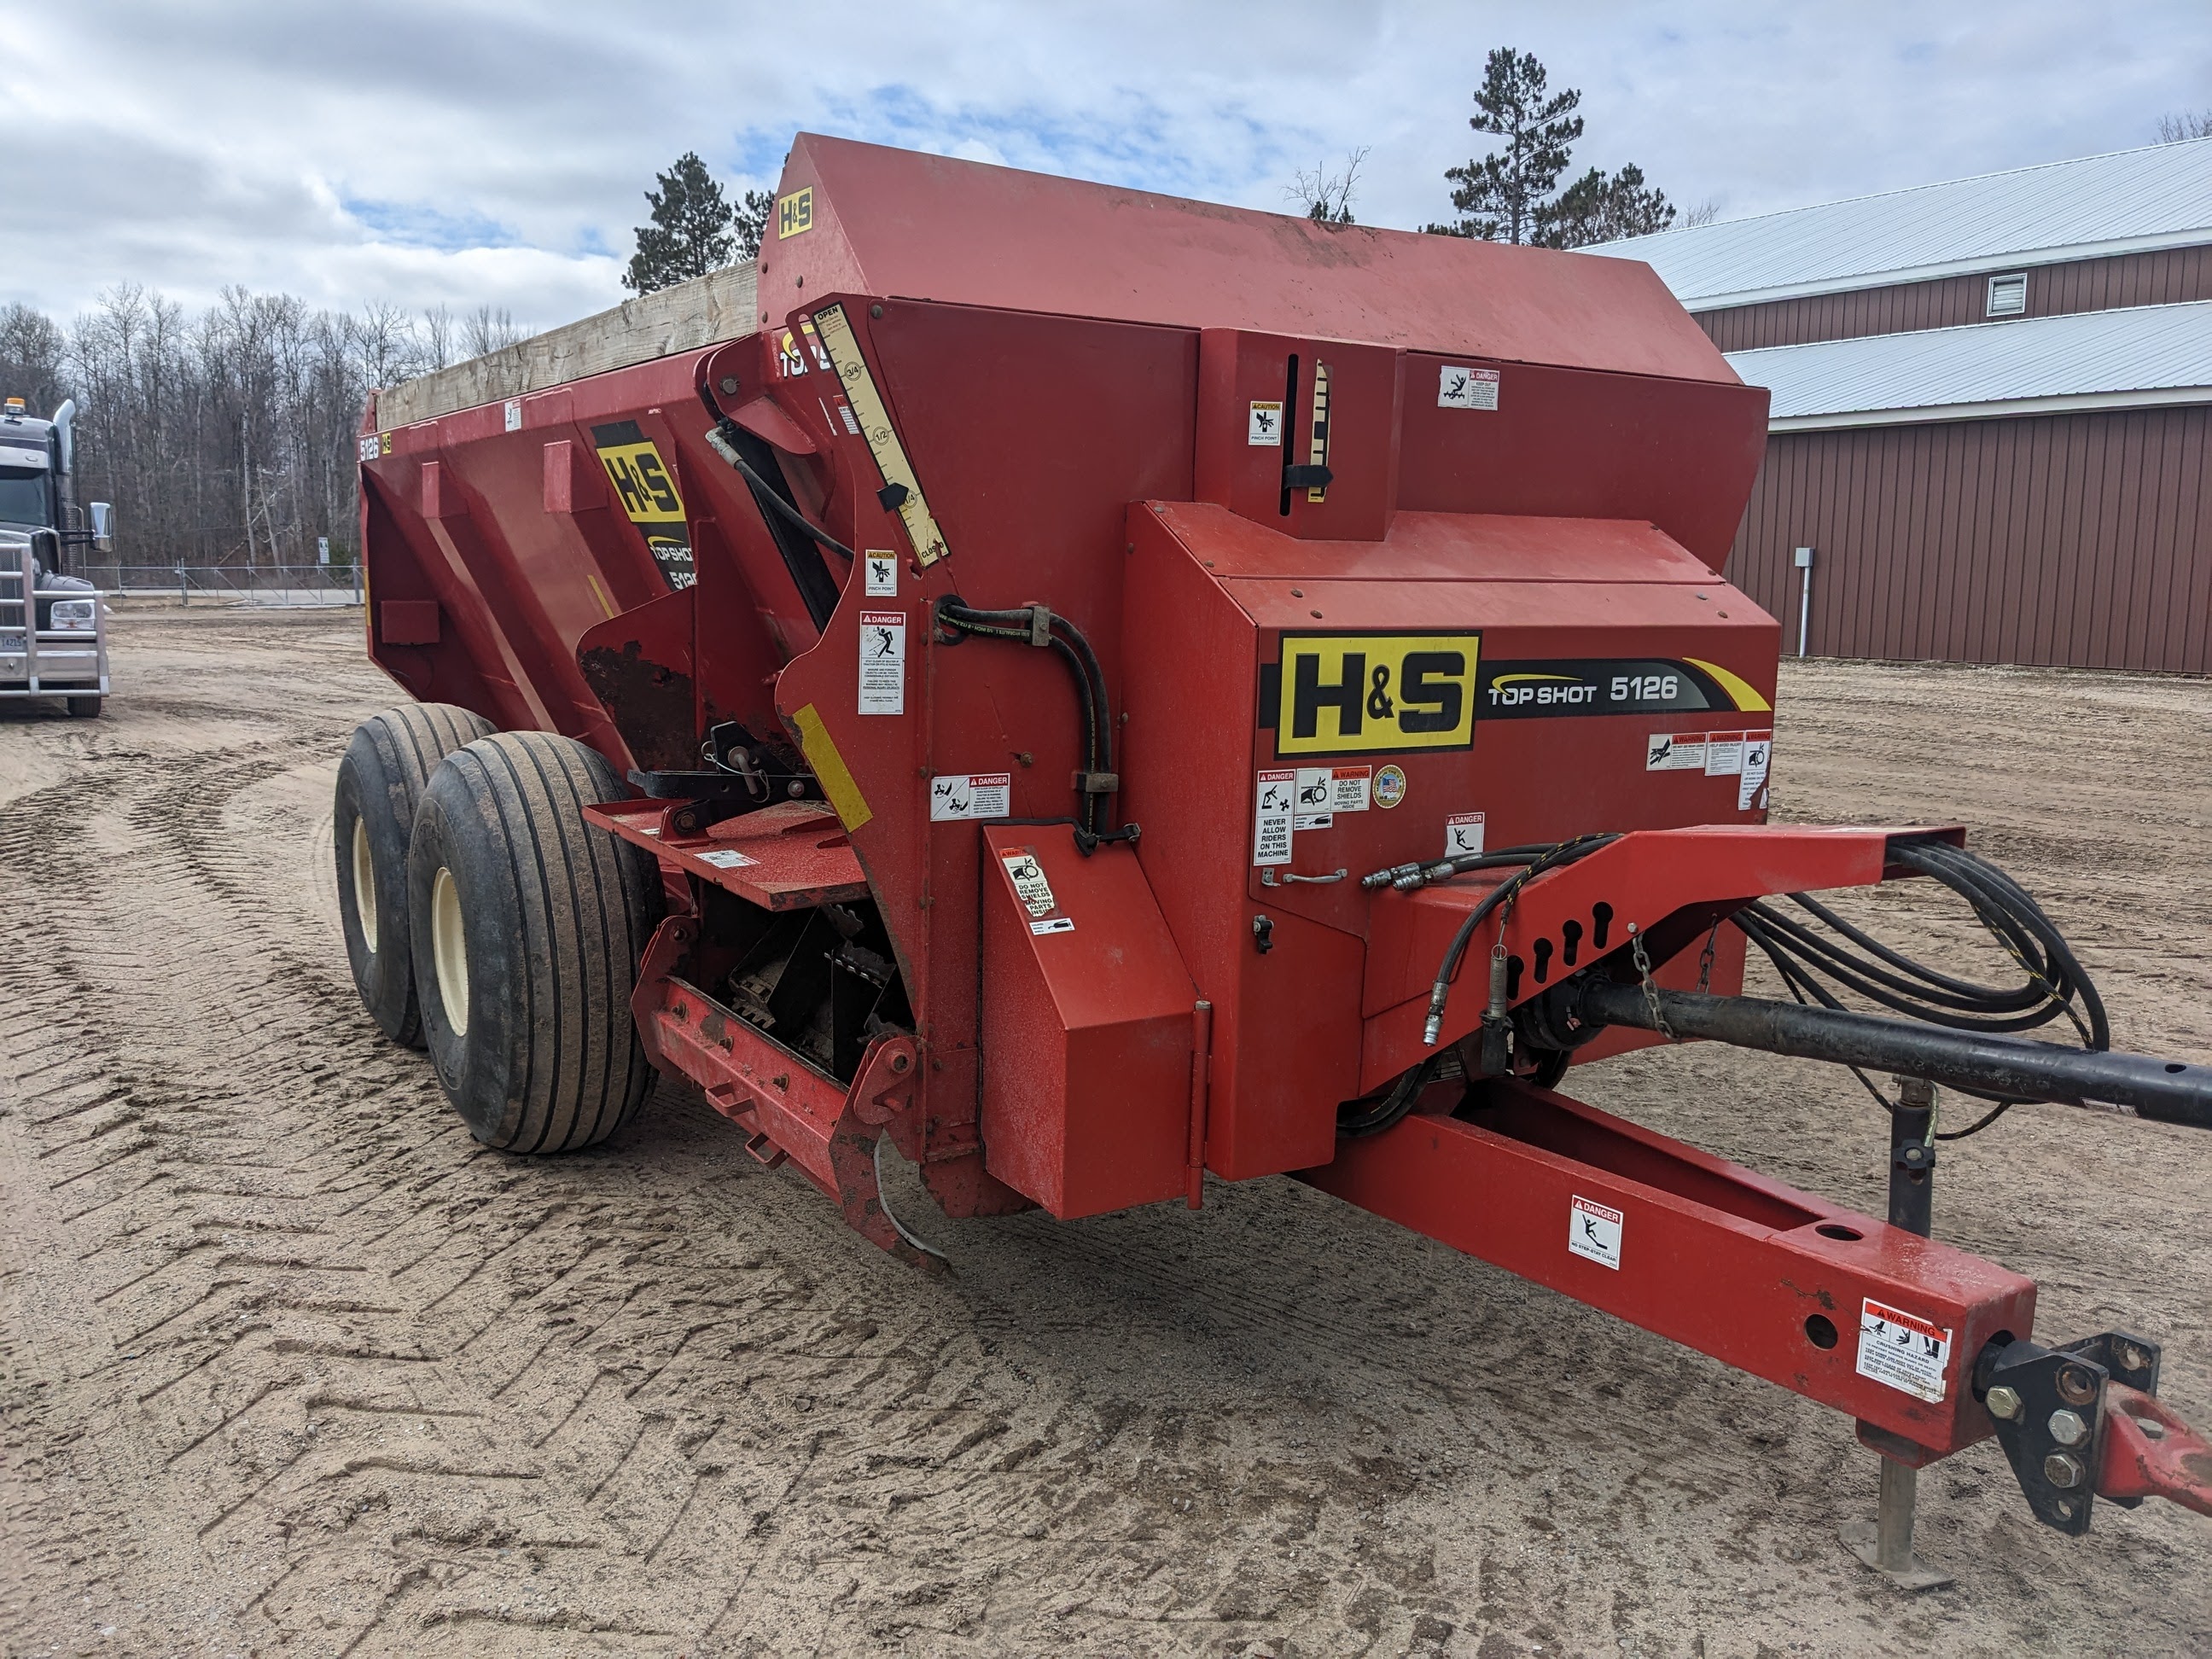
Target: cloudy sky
x=468, y=151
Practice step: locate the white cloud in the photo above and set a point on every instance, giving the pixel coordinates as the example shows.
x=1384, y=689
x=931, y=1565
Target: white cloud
x=426, y=151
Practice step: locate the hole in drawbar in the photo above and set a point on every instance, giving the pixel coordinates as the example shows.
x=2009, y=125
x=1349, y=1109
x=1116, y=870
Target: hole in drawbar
x=1570, y=931
x=1821, y=1330
x=1601, y=914
x=1835, y=1229
x=1542, y=950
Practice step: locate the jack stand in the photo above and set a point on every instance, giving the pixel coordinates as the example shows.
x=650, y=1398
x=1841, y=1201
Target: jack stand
x=1887, y=1544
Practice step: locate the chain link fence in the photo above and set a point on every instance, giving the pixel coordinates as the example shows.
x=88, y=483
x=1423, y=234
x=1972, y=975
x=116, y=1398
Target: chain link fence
x=279, y=586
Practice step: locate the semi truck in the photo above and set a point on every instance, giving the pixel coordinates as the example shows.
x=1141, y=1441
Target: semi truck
x=1095, y=694
x=53, y=624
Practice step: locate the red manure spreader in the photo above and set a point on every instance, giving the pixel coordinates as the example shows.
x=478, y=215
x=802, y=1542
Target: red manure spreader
x=1094, y=690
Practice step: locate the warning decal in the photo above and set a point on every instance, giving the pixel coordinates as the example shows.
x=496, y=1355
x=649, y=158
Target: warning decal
x=1466, y=388
x=883, y=662
x=975, y=795
x=882, y=573
x=1463, y=833
x=1267, y=425
x=1751, y=782
x=1054, y=925
x=1275, y=805
x=1593, y=1232
x=726, y=857
x=1675, y=751
x=1030, y=884
x=1723, y=753
x=643, y=485
x=1902, y=1351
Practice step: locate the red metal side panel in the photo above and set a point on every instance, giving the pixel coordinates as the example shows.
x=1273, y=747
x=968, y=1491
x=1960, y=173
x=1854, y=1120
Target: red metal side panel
x=1086, y=1027
x=898, y=224
x=1568, y=443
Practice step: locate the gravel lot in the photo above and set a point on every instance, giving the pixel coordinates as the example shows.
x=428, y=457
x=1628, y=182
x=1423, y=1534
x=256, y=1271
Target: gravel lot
x=289, y=1365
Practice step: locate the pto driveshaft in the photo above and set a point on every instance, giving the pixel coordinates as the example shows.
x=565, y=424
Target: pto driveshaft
x=2166, y=1091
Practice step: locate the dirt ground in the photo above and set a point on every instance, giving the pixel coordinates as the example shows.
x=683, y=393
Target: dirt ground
x=289, y=1365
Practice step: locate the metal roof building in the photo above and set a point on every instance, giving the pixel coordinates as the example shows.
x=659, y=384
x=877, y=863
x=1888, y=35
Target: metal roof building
x=1992, y=410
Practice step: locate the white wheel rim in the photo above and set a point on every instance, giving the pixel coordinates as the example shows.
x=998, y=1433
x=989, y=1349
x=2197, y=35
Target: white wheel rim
x=364, y=885
x=449, y=949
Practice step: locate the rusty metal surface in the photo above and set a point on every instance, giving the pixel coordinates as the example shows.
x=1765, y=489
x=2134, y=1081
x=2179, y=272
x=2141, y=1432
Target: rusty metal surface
x=2148, y=1452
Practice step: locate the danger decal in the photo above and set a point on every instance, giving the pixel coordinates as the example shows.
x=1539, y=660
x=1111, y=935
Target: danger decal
x=1593, y=1232
x=1357, y=693
x=883, y=662
x=646, y=491
x=962, y=797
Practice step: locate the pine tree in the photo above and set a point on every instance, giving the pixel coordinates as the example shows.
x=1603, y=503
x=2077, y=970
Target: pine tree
x=1599, y=206
x=689, y=235
x=750, y=222
x=1500, y=198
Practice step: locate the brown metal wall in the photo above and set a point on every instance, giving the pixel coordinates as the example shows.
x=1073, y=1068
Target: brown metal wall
x=2164, y=277
x=2080, y=541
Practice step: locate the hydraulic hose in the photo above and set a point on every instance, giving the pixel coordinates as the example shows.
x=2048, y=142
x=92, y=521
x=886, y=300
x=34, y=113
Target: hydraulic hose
x=1033, y=625
x=1552, y=858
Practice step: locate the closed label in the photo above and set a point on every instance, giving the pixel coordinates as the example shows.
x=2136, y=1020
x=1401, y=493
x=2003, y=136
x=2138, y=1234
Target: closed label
x=1357, y=694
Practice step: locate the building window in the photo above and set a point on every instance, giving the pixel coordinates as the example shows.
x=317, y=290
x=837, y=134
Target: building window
x=2008, y=296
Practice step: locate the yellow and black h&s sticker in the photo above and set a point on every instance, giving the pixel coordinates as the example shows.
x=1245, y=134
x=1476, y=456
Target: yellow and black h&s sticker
x=794, y=213
x=646, y=490
x=1365, y=694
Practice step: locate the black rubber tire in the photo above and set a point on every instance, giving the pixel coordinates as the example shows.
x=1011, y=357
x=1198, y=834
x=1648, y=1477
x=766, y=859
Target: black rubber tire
x=85, y=709
x=388, y=765
x=553, y=915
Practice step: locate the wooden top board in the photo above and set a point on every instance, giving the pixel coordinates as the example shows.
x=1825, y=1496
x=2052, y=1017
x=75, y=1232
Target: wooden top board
x=721, y=306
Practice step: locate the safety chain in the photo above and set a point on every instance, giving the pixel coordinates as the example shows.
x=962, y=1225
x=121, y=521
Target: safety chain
x=1705, y=961
x=1651, y=992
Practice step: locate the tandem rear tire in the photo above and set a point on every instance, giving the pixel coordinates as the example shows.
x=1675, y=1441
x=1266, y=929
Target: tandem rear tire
x=530, y=923
x=388, y=765
x=85, y=709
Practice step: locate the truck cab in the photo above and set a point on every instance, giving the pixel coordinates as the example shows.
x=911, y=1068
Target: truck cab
x=53, y=635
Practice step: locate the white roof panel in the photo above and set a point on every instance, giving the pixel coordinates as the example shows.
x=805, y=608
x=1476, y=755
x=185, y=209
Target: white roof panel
x=2143, y=354
x=2127, y=202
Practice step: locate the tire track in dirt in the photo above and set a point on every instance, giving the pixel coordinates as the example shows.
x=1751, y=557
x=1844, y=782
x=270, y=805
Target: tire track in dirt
x=288, y=1362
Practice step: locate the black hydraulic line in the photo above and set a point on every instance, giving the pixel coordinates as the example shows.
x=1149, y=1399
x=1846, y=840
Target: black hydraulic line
x=753, y=459
x=1371, y=1116
x=1406, y=878
x=2003, y=1066
x=1552, y=858
x=1069, y=642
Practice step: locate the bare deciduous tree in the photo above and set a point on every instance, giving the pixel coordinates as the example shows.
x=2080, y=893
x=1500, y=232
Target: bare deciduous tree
x=2181, y=128
x=227, y=438
x=1326, y=197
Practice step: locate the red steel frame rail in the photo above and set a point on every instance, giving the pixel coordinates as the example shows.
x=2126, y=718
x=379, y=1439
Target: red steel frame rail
x=1769, y=1279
